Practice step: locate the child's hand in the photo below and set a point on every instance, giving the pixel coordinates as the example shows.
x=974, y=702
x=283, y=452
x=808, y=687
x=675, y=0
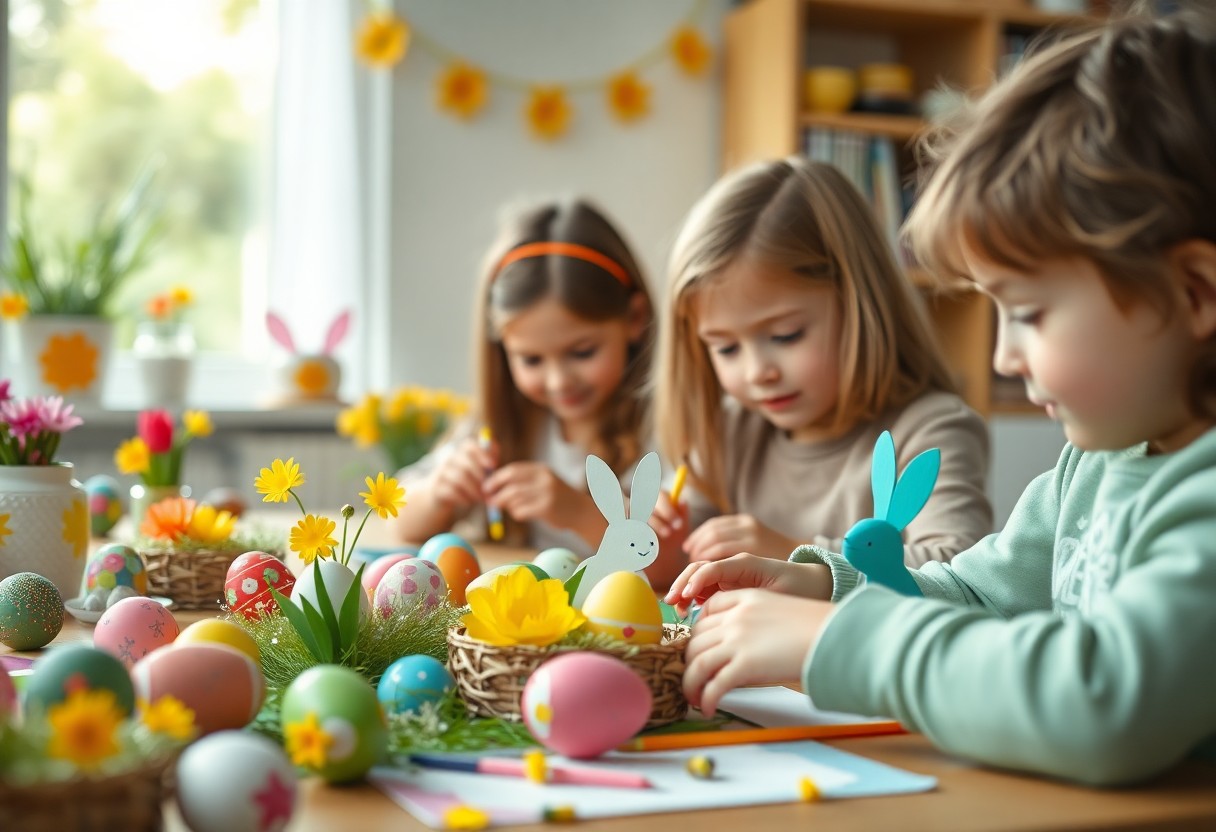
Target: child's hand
x=699, y=581
x=457, y=481
x=672, y=560
x=531, y=491
x=749, y=637
x=667, y=518
x=721, y=537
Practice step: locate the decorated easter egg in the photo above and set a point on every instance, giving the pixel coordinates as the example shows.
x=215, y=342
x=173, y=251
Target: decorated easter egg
x=249, y=581
x=374, y=571
x=133, y=628
x=583, y=704
x=222, y=685
x=105, y=503
x=558, y=563
x=459, y=567
x=624, y=606
x=408, y=583
x=115, y=565
x=8, y=697
x=412, y=680
x=31, y=611
x=338, y=703
x=226, y=499
x=485, y=579
x=431, y=549
x=336, y=578
x=72, y=667
x=235, y=781
x=220, y=631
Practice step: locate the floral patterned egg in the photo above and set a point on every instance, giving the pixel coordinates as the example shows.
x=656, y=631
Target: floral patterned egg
x=116, y=565
x=250, y=578
x=408, y=583
x=133, y=628
x=332, y=716
x=105, y=503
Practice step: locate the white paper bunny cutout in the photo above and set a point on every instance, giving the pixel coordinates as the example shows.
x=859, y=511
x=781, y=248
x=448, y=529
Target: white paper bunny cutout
x=629, y=544
x=309, y=375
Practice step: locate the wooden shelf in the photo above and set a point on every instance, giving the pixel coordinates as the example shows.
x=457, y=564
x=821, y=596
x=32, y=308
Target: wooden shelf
x=894, y=14
x=904, y=128
x=1033, y=18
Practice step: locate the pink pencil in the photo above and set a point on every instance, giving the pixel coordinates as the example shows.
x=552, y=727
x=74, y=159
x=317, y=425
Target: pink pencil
x=511, y=767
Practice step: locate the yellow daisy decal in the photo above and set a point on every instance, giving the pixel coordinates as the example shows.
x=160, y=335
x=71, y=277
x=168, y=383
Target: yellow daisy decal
x=169, y=716
x=277, y=481
x=132, y=457
x=548, y=112
x=311, y=536
x=69, y=362
x=5, y=531
x=383, y=495
x=312, y=378
x=463, y=90
x=382, y=40
x=690, y=51
x=76, y=527
x=13, y=306
x=83, y=728
x=307, y=743
x=628, y=97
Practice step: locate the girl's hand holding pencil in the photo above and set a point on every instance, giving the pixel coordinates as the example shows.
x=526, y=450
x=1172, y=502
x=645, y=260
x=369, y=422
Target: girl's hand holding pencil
x=670, y=522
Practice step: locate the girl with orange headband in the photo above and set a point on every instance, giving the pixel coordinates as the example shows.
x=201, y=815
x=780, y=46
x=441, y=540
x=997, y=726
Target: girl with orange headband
x=564, y=327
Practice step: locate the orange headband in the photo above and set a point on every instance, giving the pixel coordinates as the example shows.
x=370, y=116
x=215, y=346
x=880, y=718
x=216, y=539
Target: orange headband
x=574, y=250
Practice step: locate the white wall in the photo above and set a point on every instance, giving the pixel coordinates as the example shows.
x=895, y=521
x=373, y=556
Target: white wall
x=450, y=178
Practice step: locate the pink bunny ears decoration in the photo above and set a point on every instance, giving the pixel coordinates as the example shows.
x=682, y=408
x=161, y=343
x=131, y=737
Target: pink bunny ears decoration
x=333, y=337
x=308, y=377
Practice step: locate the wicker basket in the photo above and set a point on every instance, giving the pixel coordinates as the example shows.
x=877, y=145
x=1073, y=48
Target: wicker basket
x=131, y=801
x=491, y=679
x=193, y=579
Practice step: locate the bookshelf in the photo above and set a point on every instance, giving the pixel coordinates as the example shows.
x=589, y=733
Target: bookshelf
x=768, y=45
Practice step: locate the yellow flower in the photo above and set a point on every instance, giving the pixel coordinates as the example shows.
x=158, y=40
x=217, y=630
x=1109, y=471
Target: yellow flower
x=197, y=422
x=13, y=306
x=628, y=97
x=361, y=422
x=168, y=716
x=463, y=90
x=465, y=817
x=691, y=52
x=132, y=457
x=311, y=535
x=383, y=495
x=83, y=727
x=76, y=527
x=382, y=39
x=518, y=609
x=307, y=744
x=279, y=479
x=181, y=295
x=209, y=525
x=548, y=112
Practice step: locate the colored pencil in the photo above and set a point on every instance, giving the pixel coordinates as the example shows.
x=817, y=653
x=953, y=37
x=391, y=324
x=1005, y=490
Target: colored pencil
x=705, y=739
x=678, y=485
x=493, y=513
x=512, y=767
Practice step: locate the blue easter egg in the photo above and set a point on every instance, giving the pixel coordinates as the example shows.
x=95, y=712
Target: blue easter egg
x=105, y=503
x=440, y=543
x=410, y=681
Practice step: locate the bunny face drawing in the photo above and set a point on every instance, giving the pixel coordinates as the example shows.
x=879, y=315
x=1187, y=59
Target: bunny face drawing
x=629, y=543
x=309, y=375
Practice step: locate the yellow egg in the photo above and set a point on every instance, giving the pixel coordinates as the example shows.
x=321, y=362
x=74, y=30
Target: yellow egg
x=624, y=606
x=219, y=631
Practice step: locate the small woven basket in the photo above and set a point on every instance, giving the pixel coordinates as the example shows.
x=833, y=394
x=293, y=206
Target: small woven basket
x=491, y=679
x=131, y=801
x=194, y=579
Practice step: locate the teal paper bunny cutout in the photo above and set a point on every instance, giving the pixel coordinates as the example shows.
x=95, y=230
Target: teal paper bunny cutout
x=874, y=546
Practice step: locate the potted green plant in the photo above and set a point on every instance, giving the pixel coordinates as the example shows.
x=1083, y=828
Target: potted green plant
x=58, y=294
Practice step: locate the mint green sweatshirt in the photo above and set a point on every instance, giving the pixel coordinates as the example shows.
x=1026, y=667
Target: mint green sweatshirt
x=1080, y=641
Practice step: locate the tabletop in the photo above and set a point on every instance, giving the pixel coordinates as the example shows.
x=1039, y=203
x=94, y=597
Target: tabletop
x=969, y=796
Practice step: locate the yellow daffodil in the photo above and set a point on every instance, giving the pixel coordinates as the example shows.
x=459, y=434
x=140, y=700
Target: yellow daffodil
x=209, y=525
x=548, y=112
x=168, y=716
x=181, y=295
x=311, y=536
x=13, y=306
x=382, y=40
x=132, y=457
x=463, y=90
x=307, y=743
x=383, y=495
x=465, y=817
x=628, y=97
x=197, y=422
x=518, y=609
x=83, y=728
x=361, y=422
x=692, y=54
x=277, y=480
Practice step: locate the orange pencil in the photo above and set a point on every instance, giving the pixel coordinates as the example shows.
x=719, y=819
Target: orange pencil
x=703, y=739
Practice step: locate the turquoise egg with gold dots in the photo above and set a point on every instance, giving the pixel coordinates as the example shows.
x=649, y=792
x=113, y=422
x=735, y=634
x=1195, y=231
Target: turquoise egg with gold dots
x=105, y=503
x=116, y=564
x=31, y=611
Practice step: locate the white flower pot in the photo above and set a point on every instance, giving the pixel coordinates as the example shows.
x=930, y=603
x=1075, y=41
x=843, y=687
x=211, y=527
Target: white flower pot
x=44, y=524
x=60, y=355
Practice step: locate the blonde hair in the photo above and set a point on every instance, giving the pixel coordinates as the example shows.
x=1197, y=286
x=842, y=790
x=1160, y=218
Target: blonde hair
x=1100, y=146
x=805, y=217
x=585, y=289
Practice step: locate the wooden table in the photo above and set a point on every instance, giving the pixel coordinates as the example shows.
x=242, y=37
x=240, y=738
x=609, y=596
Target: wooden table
x=969, y=797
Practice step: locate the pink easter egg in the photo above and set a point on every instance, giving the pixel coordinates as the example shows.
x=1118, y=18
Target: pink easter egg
x=374, y=571
x=584, y=704
x=407, y=583
x=249, y=581
x=223, y=686
x=133, y=628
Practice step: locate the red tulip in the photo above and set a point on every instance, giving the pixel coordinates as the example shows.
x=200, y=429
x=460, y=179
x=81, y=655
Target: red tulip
x=156, y=429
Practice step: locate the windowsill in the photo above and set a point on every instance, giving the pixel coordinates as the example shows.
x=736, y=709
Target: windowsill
x=301, y=417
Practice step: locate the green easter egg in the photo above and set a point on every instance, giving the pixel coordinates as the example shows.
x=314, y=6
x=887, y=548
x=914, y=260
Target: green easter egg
x=345, y=707
x=64, y=670
x=31, y=611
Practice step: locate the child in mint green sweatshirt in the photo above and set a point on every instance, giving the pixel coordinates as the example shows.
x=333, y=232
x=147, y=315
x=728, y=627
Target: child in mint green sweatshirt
x=1080, y=194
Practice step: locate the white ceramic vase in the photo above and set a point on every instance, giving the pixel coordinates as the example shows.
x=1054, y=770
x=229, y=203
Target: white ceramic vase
x=44, y=524
x=164, y=354
x=60, y=355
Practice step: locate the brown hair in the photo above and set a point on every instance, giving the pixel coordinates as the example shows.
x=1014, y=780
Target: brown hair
x=806, y=217
x=586, y=290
